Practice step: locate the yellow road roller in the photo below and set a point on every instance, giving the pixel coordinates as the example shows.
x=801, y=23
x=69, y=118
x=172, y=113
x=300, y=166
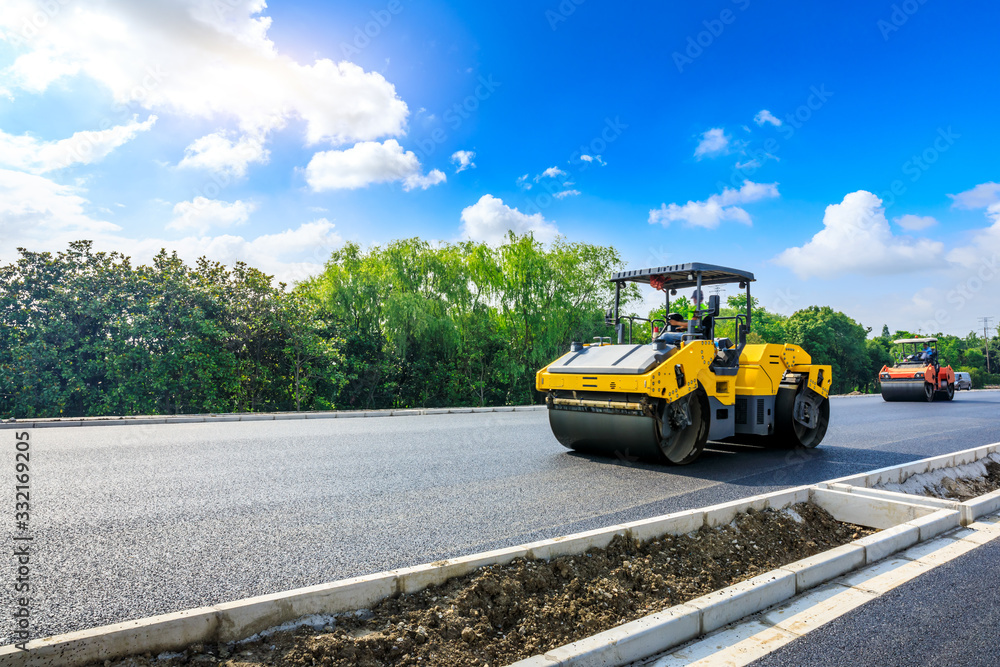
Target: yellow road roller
x=663, y=401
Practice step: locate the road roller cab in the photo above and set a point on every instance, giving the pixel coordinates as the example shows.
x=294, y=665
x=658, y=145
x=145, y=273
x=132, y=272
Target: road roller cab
x=665, y=400
x=917, y=374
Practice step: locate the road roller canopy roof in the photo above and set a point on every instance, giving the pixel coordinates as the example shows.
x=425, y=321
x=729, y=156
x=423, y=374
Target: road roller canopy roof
x=679, y=276
x=902, y=341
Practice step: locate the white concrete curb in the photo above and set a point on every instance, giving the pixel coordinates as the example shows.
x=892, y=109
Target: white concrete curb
x=253, y=417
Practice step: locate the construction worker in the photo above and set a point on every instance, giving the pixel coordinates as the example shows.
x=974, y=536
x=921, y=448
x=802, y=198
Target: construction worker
x=676, y=322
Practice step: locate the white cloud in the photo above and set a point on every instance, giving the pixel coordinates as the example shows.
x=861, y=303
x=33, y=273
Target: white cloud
x=369, y=162
x=201, y=214
x=490, y=219
x=566, y=193
x=30, y=154
x=34, y=209
x=717, y=208
x=594, y=158
x=856, y=239
x=915, y=223
x=765, y=116
x=985, y=247
x=551, y=172
x=522, y=182
x=218, y=153
x=290, y=256
x=464, y=160
x=197, y=58
x=713, y=142
x=40, y=215
x=981, y=196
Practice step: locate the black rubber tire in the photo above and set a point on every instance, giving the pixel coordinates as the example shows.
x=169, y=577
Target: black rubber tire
x=788, y=433
x=947, y=394
x=691, y=441
x=929, y=392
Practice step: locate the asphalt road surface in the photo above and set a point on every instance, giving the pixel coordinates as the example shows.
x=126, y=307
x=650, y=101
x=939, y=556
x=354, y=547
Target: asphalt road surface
x=133, y=521
x=948, y=616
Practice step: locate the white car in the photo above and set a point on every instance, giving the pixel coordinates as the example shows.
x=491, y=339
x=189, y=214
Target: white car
x=963, y=380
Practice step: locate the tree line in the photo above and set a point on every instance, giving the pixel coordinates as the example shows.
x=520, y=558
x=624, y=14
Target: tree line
x=408, y=324
x=411, y=324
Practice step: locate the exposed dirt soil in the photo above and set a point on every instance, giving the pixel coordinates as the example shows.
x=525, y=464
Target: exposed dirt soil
x=504, y=613
x=963, y=489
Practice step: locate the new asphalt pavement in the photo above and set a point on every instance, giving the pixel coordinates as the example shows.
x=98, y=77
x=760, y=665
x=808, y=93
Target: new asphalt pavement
x=136, y=520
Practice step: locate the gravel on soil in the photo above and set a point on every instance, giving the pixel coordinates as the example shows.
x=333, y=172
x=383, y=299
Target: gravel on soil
x=960, y=483
x=503, y=613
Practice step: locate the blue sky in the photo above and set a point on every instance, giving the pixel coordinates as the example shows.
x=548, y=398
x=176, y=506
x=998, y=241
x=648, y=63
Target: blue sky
x=847, y=155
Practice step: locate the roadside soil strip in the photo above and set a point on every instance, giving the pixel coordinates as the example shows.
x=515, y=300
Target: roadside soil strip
x=504, y=613
x=960, y=483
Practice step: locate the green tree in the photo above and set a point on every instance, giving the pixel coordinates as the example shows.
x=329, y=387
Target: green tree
x=878, y=356
x=765, y=326
x=831, y=337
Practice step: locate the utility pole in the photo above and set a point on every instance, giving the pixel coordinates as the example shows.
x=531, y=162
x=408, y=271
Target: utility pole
x=986, y=324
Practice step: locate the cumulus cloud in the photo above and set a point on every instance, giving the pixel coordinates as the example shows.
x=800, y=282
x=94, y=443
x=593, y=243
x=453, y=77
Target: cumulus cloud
x=464, y=160
x=522, y=182
x=290, y=256
x=914, y=223
x=202, y=214
x=366, y=163
x=197, y=58
x=985, y=247
x=218, y=153
x=490, y=219
x=765, y=116
x=981, y=196
x=594, y=158
x=35, y=209
x=856, y=239
x=39, y=214
x=35, y=156
x=717, y=208
x=551, y=172
x=713, y=142
x=566, y=193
